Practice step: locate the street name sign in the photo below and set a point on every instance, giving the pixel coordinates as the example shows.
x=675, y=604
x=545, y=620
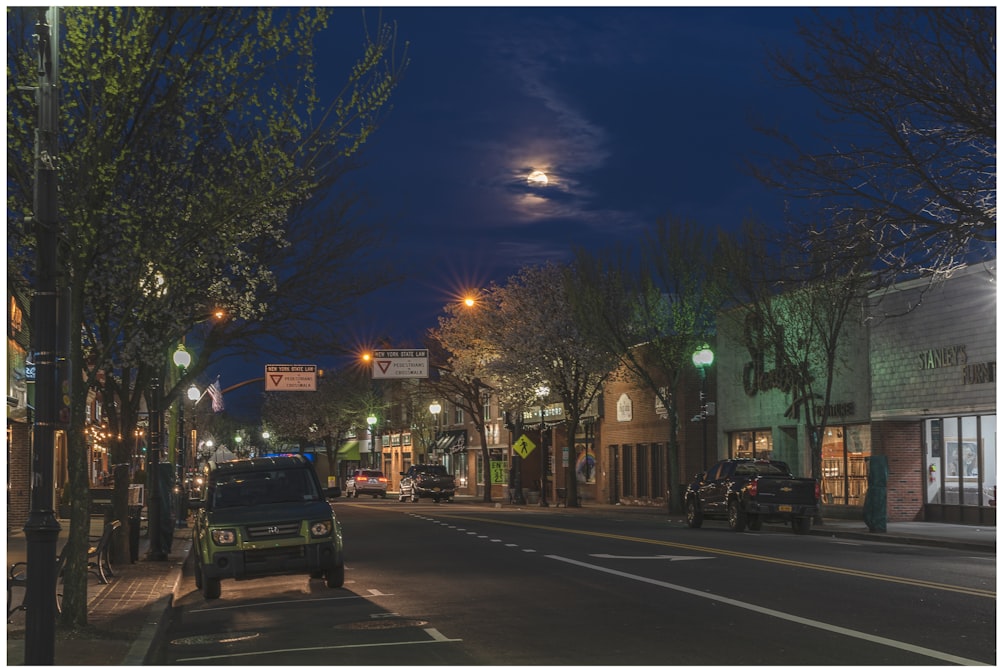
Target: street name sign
x=400, y=364
x=290, y=377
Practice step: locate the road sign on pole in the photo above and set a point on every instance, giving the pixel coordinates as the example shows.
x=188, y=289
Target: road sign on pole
x=400, y=364
x=290, y=377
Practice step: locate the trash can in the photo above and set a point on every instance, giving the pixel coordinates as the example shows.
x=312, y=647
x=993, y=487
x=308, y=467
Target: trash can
x=134, y=527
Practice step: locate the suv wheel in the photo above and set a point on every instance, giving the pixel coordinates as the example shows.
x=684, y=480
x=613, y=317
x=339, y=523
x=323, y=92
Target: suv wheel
x=335, y=577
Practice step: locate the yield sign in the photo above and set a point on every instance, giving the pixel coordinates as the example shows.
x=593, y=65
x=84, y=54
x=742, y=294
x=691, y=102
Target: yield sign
x=384, y=365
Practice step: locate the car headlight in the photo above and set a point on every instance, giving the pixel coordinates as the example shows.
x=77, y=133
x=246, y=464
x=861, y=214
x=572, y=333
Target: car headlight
x=223, y=536
x=320, y=529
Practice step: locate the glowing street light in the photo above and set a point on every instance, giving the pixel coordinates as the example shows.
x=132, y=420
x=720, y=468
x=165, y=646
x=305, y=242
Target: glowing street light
x=702, y=359
x=542, y=393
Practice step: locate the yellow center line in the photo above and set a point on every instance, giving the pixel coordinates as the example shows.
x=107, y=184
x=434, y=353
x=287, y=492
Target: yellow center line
x=958, y=589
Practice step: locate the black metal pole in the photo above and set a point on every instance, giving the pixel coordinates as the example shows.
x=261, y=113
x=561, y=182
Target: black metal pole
x=154, y=521
x=704, y=422
x=543, y=501
x=42, y=529
x=181, y=448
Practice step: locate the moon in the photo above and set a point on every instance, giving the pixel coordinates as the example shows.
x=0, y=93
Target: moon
x=538, y=177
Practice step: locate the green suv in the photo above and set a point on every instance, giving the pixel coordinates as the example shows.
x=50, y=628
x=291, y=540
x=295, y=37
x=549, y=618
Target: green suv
x=264, y=516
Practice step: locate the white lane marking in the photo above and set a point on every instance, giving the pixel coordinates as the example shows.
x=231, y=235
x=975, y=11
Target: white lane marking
x=669, y=557
x=510, y=544
x=436, y=637
x=896, y=644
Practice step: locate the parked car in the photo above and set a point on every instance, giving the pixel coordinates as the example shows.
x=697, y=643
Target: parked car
x=427, y=481
x=367, y=481
x=262, y=517
x=749, y=492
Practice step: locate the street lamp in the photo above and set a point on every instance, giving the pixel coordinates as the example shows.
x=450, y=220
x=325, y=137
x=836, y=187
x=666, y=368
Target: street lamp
x=435, y=409
x=182, y=360
x=703, y=358
x=266, y=435
x=371, y=419
x=542, y=392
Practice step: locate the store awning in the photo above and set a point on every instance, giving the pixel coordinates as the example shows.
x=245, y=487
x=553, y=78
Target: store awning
x=451, y=442
x=349, y=452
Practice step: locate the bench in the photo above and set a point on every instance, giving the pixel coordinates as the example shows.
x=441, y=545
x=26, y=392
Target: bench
x=18, y=577
x=99, y=554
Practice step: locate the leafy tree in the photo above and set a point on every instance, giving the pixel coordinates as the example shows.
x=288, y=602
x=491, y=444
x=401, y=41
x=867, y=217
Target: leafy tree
x=463, y=349
x=190, y=136
x=909, y=175
x=545, y=344
x=652, y=313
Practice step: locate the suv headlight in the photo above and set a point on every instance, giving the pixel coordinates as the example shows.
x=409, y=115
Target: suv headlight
x=223, y=536
x=320, y=529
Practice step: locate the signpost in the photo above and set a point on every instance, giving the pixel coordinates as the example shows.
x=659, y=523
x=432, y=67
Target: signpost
x=400, y=364
x=290, y=377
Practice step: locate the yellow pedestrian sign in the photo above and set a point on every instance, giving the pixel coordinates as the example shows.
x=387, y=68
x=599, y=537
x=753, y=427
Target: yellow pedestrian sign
x=523, y=446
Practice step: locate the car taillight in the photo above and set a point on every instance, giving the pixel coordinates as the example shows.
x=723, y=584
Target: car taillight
x=383, y=480
x=752, y=488
x=362, y=478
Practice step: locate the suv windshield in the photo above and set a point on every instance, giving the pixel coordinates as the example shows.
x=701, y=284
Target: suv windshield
x=252, y=488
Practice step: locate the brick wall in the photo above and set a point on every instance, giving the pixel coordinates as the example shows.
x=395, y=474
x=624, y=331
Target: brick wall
x=18, y=496
x=900, y=442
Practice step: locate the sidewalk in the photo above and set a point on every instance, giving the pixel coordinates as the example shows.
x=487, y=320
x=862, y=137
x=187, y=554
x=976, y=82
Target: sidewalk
x=125, y=614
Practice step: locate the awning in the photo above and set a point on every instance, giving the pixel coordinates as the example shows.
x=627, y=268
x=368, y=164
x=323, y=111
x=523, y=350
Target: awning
x=349, y=451
x=451, y=442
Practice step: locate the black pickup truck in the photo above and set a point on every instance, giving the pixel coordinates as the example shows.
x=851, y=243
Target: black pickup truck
x=749, y=492
x=427, y=481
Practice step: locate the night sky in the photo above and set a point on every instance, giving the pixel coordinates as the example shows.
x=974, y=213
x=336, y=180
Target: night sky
x=633, y=114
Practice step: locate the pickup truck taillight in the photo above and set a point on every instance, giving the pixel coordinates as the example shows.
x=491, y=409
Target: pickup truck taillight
x=816, y=491
x=361, y=478
x=752, y=488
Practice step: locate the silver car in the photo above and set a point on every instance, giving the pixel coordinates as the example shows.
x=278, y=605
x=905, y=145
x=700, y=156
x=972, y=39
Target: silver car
x=366, y=481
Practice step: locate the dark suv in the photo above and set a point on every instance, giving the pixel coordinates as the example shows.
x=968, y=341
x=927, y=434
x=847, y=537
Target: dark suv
x=261, y=517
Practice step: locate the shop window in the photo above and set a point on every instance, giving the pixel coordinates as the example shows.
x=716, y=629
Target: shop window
x=960, y=466
x=628, y=488
x=844, y=465
x=642, y=477
x=751, y=444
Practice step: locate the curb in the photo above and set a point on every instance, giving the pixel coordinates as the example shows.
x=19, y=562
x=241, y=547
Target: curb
x=142, y=651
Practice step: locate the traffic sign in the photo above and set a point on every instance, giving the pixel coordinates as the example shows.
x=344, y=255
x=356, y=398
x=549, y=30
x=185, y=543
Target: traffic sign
x=400, y=364
x=524, y=446
x=290, y=377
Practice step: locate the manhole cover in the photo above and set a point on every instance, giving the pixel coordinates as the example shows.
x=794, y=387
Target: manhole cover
x=381, y=624
x=212, y=638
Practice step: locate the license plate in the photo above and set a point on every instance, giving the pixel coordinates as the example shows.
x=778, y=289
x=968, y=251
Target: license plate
x=784, y=509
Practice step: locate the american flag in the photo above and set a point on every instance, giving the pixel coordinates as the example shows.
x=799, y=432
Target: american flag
x=215, y=389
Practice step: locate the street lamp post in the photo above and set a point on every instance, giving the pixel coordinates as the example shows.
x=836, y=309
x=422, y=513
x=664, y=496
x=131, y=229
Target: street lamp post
x=542, y=392
x=194, y=396
x=371, y=420
x=155, y=529
x=435, y=409
x=182, y=359
x=703, y=358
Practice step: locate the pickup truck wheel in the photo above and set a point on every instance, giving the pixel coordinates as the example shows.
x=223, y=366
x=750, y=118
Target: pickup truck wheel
x=335, y=577
x=801, y=525
x=737, y=517
x=212, y=588
x=754, y=523
x=694, y=516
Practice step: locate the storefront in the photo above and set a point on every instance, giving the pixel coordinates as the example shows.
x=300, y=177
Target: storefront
x=762, y=415
x=933, y=376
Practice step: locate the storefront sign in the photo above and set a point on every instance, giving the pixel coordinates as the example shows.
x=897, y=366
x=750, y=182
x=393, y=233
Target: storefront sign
x=984, y=372
x=936, y=358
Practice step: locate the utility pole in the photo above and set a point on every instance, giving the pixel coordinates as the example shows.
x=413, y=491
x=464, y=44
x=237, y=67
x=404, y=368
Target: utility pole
x=42, y=528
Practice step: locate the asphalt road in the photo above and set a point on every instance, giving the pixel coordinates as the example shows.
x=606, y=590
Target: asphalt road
x=465, y=585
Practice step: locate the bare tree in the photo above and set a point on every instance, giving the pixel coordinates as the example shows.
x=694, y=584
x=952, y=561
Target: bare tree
x=909, y=173
x=797, y=307
x=653, y=312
